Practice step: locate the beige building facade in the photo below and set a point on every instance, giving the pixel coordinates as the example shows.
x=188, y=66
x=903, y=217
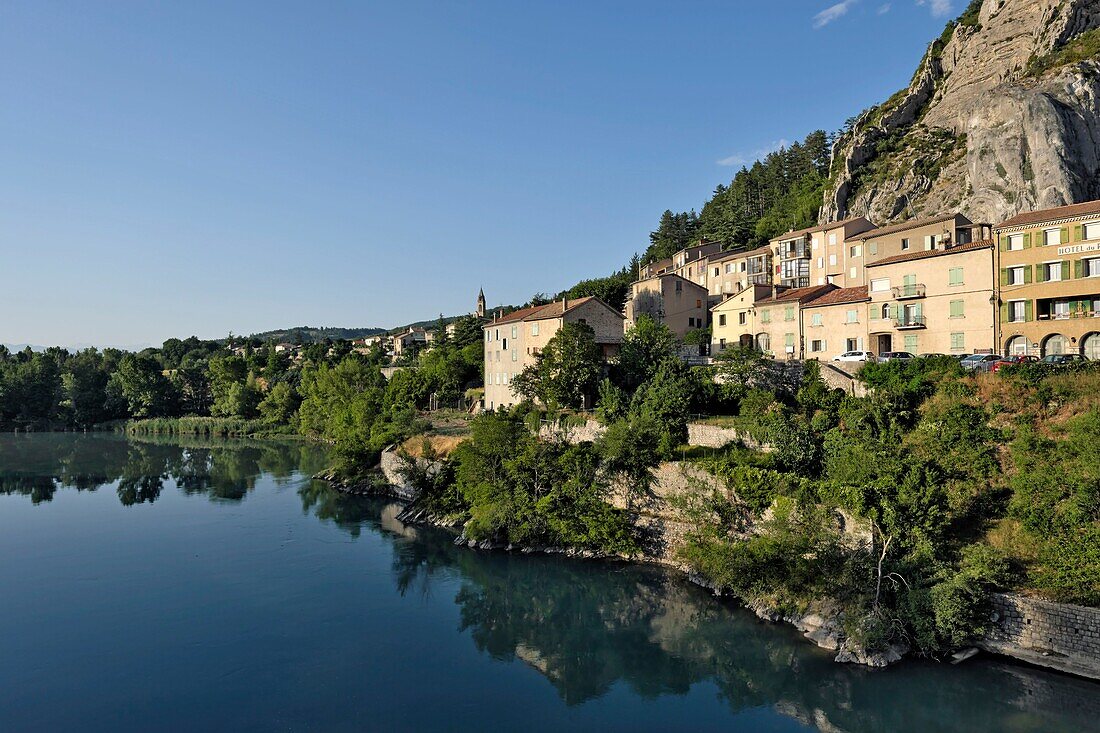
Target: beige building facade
x=670, y=299
x=513, y=341
x=816, y=255
x=1048, y=282
x=733, y=321
x=933, y=301
x=835, y=322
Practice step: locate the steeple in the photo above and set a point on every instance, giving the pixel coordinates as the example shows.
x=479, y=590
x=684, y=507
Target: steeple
x=481, y=303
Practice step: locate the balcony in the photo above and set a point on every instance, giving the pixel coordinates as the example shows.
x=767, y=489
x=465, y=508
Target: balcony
x=908, y=323
x=907, y=292
x=797, y=252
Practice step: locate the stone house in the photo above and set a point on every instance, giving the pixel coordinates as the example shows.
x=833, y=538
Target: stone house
x=670, y=299
x=835, y=322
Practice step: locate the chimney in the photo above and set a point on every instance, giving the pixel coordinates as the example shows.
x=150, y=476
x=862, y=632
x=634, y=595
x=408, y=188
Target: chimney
x=564, y=303
x=499, y=314
x=775, y=290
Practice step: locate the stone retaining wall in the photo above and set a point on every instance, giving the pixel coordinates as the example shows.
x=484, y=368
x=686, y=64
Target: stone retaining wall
x=1058, y=635
x=712, y=436
x=590, y=431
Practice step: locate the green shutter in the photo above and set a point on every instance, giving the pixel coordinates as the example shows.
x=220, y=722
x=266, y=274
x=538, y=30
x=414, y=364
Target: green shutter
x=1027, y=274
x=1078, y=268
x=872, y=312
x=1004, y=243
x=1004, y=313
x=1064, y=237
x=893, y=311
x=1027, y=240
x=1078, y=233
x=1040, y=273
x=917, y=311
x=1065, y=270
x=1029, y=312
x=1004, y=276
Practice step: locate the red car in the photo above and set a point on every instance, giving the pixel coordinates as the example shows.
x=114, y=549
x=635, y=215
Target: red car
x=1018, y=359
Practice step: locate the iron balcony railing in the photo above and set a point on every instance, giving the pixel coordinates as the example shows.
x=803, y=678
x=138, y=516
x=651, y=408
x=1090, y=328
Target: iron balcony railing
x=902, y=292
x=910, y=322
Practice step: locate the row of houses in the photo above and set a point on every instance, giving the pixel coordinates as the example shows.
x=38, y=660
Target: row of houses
x=937, y=285
x=1030, y=285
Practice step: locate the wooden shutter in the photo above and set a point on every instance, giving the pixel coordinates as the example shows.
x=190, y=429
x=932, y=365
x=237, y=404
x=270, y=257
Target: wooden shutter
x=1078, y=268
x=1078, y=233
x=1027, y=240
x=1004, y=313
x=1004, y=243
x=1027, y=274
x=1065, y=270
x=1064, y=236
x=1040, y=273
x=1004, y=276
x=1029, y=312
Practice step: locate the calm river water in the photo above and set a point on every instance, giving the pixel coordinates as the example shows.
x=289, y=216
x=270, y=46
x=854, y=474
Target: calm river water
x=197, y=585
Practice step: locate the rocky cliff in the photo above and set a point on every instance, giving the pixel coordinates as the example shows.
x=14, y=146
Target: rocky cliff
x=1002, y=116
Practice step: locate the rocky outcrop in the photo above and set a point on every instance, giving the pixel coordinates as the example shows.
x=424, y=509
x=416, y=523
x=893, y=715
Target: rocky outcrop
x=974, y=131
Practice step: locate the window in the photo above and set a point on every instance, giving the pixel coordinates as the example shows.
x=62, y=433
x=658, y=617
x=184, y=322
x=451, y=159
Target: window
x=691, y=321
x=1092, y=267
x=729, y=268
x=722, y=319
x=832, y=238
x=788, y=313
x=1017, y=310
x=504, y=344
x=488, y=336
x=956, y=309
x=515, y=356
x=872, y=248
x=813, y=243
x=955, y=276
x=930, y=241
x=716, y=271
x=741, y=318
x=816, y=320
x=958, y=342
x=817, y=346
x=788, y=340
x=1015, y=276
x=534, y=329
x=820, y=262
x=852, y=273
x=1015, y=242
x=766, y=316
x=832, y=260
x=722, y=344
x=856, y=250
x=880, y=285
x=905, y=245
x=515, y=331
x=679, y=286
x=853, y=316
x=1092, y=231
x=1059, y=310
x=698, y=303
x=910, y=343
x=1052, y=271
x=1052, y=237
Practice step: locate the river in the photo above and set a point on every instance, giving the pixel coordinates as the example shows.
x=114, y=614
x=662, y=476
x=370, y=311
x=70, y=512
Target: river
x=193, y=585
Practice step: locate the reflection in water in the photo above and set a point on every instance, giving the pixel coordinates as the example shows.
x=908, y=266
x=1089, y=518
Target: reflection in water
x=588, y=627
x=38, y=465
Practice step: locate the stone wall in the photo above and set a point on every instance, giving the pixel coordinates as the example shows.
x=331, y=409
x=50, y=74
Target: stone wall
x=841, y=375
x=712, y=436
x=1057, y=635
x=590, y=431
x=390, y=464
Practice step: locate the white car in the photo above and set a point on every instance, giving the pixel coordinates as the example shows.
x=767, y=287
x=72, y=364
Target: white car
x=856, y=356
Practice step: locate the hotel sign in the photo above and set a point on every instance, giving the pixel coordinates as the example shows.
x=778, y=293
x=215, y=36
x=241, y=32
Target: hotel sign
x=1079, y=249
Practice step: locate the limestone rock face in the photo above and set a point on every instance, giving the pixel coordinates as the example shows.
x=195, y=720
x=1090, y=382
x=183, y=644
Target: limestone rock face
x=974, y=131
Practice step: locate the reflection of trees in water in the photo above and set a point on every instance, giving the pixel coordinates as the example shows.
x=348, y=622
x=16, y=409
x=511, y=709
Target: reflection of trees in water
x=37, y=465
x=587, y=626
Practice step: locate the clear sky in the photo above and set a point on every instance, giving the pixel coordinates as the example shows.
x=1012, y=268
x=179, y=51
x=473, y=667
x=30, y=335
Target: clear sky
x=179, y=168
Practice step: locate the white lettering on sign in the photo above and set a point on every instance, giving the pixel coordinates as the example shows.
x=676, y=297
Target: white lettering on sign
x=1079, y=248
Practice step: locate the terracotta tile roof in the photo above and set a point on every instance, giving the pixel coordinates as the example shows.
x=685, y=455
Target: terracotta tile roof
x=517, y=315
x=839, y=296
x=723, y=256
x=816, y=228
x=557, y=308
x=802, y=295
x=1062, y=212
x=924, y=254
x=904, y=225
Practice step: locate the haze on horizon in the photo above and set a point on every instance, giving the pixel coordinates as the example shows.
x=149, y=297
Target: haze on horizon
x=170, y=170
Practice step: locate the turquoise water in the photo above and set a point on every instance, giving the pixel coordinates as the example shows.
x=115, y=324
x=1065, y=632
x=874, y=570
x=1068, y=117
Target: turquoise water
x=200, y=585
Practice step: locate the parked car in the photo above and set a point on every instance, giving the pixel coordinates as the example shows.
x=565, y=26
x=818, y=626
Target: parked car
x=856, y=356
x=896, y=356
x=1062, y=359
x=930, y=355
x=980, y=362
x=1014, y=359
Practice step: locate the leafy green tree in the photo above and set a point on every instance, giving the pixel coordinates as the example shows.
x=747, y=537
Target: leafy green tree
x=280, y=405
x=141, y=383
x=85, y=383
x=566, y=372
x=645, y=347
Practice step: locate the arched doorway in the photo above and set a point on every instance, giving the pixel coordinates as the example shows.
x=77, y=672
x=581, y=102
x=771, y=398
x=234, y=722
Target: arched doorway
x=746, y=341
x=1090, y=347
x=1055, y=343
x=763, y=342
x=1016, y=346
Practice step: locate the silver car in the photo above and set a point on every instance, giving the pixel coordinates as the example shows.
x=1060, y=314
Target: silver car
x=980, y=362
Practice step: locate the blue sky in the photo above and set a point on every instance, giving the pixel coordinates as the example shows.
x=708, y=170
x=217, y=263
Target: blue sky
x=169, y=169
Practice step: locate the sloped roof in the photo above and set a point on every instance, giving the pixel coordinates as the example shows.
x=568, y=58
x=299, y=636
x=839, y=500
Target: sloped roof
x=550, y=310
x=840, y=296
x=905, y=225
x=816, y=228
x=1062, y=212
x=517, y=315
x=802, y=295
x=924, y=254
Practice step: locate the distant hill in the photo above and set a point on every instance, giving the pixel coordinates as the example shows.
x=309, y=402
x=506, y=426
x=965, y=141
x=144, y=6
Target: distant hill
x=314, y=334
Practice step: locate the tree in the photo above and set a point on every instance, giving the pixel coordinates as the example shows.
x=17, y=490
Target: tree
x=143, y=386
x=645, y=347
x=566, y=372
x=280, y=405
x=673, y=233
x=85, y=388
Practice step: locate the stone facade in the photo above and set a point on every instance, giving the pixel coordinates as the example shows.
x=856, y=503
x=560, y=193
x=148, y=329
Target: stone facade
x=1057, y=635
